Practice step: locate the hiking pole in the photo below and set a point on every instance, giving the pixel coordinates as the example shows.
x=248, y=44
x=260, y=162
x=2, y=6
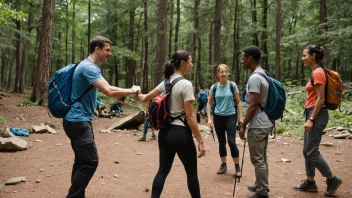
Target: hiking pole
x=234, y=187
x=212, y=133
x=239, y=178
x=244, y=149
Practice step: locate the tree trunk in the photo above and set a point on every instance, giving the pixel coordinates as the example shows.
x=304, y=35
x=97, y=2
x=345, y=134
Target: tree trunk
x=18, y=56
x=171, y=26
x=114, y=42
x=195, y=39
x=211, y=46
x=26, y=46
x=66, y=35
x=10, y=75
x=3, y=69
x=265, y=56
x=236, y=47
x=297, y=62
x=145, y=40
x=177, y=24
x=217, y=33
x=89, y=3
x=39, y=92
x=139, y=27
x=161, y=42
x=59, y=61
x=278, y=34
x=131, y=63
x=73, y=32
x=254, y=20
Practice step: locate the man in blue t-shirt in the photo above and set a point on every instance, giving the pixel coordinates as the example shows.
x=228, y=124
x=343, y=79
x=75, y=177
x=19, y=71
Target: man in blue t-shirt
x=78, y=121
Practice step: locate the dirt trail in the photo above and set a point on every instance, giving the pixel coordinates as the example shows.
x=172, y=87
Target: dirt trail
x=127, y=167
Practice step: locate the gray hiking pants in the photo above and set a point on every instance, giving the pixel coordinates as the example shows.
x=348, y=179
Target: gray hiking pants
x=313, y=158
x=258, y=144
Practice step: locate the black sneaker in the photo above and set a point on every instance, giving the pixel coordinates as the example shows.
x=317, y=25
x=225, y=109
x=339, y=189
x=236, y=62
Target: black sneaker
x=257, y=196
x=153, y=137
x=307, y=186
x=222, y=169
x=253, y=188
x=332, y=186
x=238, y=172
x=143, y=138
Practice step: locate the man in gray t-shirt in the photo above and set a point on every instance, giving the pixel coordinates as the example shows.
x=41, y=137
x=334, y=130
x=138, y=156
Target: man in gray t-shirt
x=256, y=123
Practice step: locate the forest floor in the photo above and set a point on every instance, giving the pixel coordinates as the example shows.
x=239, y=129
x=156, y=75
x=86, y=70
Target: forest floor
x=127, y=167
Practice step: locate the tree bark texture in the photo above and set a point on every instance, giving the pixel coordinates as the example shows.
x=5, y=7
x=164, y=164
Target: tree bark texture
x=278, y=35
x=217, y=33
x=178, y=9
x=40, y=88
x=161, y=42
x=131, y=63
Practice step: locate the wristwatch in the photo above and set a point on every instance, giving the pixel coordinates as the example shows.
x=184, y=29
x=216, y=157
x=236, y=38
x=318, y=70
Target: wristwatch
x=311, y=119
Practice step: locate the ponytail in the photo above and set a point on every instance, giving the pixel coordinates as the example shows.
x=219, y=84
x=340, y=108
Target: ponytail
x=173, y=64
x=319, y=53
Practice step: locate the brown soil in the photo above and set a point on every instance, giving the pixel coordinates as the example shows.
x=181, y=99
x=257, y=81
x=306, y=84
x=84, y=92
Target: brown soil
x=52, y=164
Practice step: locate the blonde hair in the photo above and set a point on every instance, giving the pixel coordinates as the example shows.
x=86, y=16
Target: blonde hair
x=218, y=69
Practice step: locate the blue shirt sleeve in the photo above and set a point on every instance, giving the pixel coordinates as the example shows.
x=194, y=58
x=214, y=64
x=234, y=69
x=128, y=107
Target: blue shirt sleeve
x=92, y=73
x=235, y=87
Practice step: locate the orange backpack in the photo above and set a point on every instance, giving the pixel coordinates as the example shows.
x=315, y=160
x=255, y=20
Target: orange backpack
x=333, y=88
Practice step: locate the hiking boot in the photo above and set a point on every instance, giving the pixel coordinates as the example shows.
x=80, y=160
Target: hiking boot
x=257, y=196
x=153, y=137
x=222, y=169
x=253, y=188
x=238, y=172
x=143, y=138
x=307, y=186
x=332, y=186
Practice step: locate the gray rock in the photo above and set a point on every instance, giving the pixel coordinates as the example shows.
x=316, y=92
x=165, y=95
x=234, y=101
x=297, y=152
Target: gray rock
x=13, y=144
x=37, y=180
x=50, y=130
x=6, y=133
x=39, y=129
x=285, y=160
x=327, y=144
x=341, y=136
x=15, y=180
x=341, y=128
x=339, y=160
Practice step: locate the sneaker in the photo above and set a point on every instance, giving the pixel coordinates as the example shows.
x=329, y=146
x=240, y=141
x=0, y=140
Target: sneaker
x=238, y=172
x=142, y=139
x=253, y=188
x=257, y=196
x=222, y=169
x=153, y=137
x=307, y=186
x=332, y=186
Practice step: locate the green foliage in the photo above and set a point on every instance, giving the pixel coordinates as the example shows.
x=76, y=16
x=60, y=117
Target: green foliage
x=7, y=13
x=2, y=120
x=28, y=103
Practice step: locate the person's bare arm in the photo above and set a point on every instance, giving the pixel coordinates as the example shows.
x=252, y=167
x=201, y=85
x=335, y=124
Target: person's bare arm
x=112, y=91
x=239, y=108
x=209, y=104
x=191, y=120
x=252, y=108
x=319, y=89
x=147, y=97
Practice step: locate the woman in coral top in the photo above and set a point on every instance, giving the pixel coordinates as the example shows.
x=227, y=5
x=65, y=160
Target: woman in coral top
x=317, y=117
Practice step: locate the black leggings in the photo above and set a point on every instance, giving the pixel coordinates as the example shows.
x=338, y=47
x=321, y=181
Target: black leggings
x=228, y=124
x=176, y=139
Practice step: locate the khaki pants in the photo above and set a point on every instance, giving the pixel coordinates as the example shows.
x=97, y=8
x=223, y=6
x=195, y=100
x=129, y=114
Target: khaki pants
x=258, y=144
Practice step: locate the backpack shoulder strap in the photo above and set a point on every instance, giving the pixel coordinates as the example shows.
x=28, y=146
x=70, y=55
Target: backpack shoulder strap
x=311, y=75
x=84, y=93
x=173, y=83
x=267, y=79
x=232, y=88
x=214, y=90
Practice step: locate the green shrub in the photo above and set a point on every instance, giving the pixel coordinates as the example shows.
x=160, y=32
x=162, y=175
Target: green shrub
x=2, y=120
x=28, y=103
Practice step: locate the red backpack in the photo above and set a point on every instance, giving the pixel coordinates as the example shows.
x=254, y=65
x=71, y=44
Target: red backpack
x=158, y=109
